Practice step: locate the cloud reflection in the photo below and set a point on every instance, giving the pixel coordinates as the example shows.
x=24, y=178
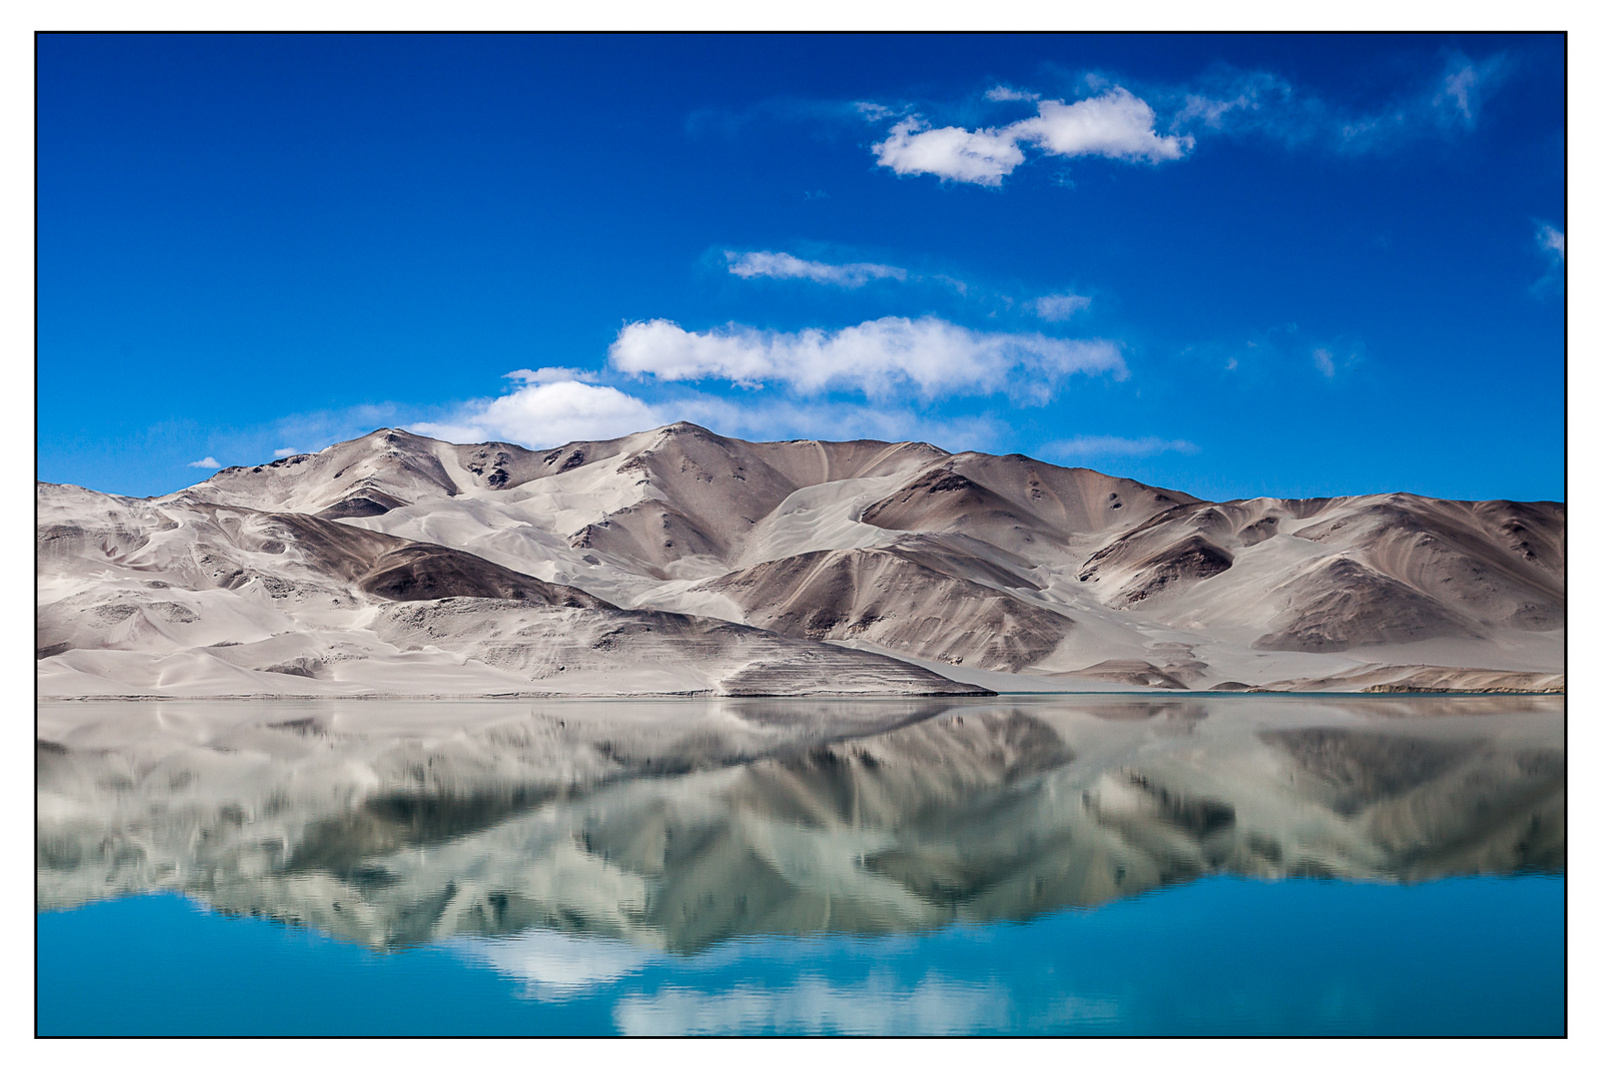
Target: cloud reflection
x=816, y=1006
x=552, y=966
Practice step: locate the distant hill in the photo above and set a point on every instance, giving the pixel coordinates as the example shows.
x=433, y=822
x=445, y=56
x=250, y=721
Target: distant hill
x=681, y=561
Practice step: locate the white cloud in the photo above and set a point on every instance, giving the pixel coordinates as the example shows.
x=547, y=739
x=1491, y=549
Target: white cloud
x=985, y=156
x=1324, y=362
x=779, y=264
x=205, y=463
x=540, y=414
x=1060, y=306
x=1114, y=446
x=1115, y=124
x=883, y=358
x=284, y=451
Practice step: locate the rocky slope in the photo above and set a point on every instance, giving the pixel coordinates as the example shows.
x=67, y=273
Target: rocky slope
x=679, y=561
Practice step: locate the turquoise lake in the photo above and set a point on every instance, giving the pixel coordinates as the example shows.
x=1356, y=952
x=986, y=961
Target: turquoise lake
x=1070, y=865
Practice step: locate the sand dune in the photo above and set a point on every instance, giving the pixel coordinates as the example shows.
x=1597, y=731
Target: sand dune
x=932, y=568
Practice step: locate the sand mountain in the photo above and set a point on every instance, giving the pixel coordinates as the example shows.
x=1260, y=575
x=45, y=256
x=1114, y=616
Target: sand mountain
x=681, y=561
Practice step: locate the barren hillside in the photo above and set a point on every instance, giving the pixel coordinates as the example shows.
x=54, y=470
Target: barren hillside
x=680, y=561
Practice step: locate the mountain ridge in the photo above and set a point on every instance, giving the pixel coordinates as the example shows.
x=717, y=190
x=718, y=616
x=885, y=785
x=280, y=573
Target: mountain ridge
x=889, y=567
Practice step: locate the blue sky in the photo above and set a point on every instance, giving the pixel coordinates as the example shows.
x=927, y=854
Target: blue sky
x=1239, y=266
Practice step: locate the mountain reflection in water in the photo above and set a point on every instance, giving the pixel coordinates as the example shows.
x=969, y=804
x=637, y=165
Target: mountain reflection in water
x=678, y=825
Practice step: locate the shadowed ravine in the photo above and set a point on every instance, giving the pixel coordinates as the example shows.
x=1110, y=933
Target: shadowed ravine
x=678, y=825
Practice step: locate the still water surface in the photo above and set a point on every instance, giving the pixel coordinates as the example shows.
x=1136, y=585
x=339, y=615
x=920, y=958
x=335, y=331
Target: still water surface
x=1068, y=865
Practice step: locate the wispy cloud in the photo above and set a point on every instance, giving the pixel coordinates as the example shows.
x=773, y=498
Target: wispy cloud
x=1466, y=84
x=551, y=375
x=822, y=113
x=1230, y=100
x=783, y=266
x=1551, y=242
x=206, y=462
x=1262, y=103
x=873, y=111
x=769, y=417
x=1286, y=351
x=1334, y=360
x=780, y=264
x=1059, y=307
x=1115, y=124
x=283, y=452
x=1006, y=93
x=882, y=358
x=1094, y=447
